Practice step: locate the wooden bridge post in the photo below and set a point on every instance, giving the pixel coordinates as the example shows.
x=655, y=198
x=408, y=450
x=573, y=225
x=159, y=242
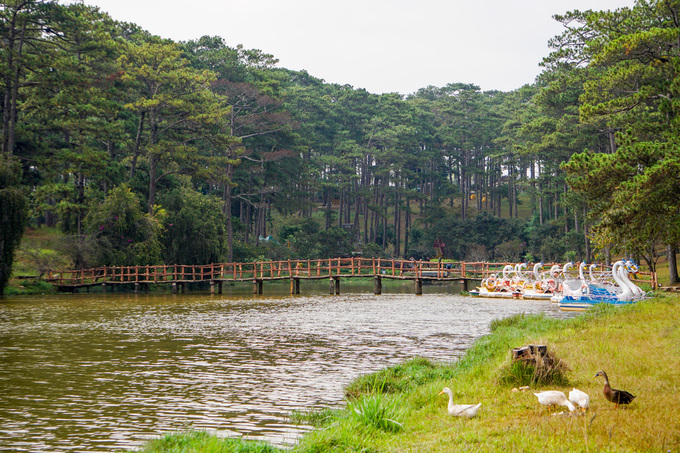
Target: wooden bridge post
x=419, y=286
x=295, y=286
x=219, y=287
x=212, y=287
x=136, y=288
x=335, y=285
x=257, y=286
x=377, y=285
x=174, y=288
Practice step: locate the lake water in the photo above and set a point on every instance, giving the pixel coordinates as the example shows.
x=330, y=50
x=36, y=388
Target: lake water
x=104, y=372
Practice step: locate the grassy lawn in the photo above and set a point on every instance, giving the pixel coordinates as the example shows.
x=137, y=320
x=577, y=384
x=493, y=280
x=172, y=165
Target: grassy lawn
x=398, y=409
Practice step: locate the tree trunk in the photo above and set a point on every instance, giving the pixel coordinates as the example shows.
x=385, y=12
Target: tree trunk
x=672, y=250
x=511, y=184
x=540, y=204
x=138, y=141
x=407, y=225
x=340, y=208
x=227, y=212
x=397, y=222
x=13, y=71
x=612, y=141
x=585, y=233
x=153, y=163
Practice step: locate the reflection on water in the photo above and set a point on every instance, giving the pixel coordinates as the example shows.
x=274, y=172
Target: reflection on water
x=104, y=372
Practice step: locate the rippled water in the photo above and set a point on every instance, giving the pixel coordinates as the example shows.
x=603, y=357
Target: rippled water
x=104, y=372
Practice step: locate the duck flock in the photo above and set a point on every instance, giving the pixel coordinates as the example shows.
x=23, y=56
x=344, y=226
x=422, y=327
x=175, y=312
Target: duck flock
x=551, y=399
x=563, y=285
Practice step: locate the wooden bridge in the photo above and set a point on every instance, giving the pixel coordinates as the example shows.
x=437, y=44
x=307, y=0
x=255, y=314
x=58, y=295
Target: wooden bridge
x=259, y=272
x=333, y=269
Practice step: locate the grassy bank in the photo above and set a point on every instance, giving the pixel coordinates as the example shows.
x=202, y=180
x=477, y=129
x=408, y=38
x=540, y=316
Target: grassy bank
x=398, y=409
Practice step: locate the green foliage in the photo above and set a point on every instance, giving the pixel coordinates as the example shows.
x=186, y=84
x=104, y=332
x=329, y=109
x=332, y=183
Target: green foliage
x=121, y=234
x=633, y=191
x=195, y=228
x=100, y=103
x=29, y=287
x=45, y=260
x=334, y=242
x=298, y=238
x=510, y=250
x=500, y=238
x=373, y=250
x=13, y=215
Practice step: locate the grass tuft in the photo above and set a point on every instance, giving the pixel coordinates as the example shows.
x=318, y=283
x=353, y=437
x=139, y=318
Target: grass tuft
x=203, y=442
x=546, y=370
x=316, y=418
x=378, y=412
x=399, y=379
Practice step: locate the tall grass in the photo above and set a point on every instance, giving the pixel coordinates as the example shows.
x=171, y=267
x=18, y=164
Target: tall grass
x=379, y=412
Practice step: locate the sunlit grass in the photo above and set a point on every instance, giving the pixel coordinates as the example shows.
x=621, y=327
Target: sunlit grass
x=317, y=418
x=377, y=411
x=638, y=345
x=203, y=442
x=399, y=409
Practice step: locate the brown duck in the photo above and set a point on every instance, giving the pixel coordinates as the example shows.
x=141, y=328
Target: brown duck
x=615, y=396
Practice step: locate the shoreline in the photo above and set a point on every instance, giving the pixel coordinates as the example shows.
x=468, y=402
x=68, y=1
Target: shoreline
x=638, y=346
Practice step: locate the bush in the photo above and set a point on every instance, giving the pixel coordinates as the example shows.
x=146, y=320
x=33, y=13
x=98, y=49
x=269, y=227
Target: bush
x=196, y=232
x=510, y=251
x=121, y=234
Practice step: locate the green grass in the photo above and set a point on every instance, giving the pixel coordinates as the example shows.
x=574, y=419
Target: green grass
x=377, y=411
x=24, y=287
x=637, y=345
x=201, y=441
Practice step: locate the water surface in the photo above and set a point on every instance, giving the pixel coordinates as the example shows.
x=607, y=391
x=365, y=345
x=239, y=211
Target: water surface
x=88, y=372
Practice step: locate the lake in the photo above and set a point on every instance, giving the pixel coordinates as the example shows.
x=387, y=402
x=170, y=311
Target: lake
x=104, y=372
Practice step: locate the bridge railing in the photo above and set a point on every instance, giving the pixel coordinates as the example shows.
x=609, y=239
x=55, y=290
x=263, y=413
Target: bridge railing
x=272, y=270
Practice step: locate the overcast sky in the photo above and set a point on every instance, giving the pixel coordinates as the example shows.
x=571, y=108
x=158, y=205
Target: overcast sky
x=380, y=45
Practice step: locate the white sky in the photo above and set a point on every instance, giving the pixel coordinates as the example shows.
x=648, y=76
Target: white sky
x=380, y=45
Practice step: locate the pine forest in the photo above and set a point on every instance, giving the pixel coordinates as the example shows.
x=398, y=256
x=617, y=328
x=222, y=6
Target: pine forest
x=140, y=150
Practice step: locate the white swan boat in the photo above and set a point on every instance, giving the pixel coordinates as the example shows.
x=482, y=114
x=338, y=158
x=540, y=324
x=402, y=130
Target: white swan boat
x=595, y=291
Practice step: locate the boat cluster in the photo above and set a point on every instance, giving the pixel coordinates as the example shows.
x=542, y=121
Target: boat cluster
x=562, y=285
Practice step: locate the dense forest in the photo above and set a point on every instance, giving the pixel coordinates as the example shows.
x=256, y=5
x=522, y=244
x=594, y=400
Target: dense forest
x=142, y=150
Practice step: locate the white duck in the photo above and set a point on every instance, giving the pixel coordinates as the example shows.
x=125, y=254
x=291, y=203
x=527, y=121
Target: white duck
x=579, y=398
x=460, y=410
x=552, y=398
